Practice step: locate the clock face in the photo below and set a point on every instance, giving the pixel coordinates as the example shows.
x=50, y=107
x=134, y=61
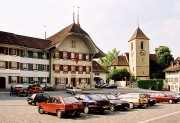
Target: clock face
x=142, y=52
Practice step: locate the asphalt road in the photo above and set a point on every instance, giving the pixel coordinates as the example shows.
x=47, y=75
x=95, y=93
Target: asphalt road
x=16, y=110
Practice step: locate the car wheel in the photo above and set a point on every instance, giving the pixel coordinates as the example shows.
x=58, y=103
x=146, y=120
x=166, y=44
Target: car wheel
x=170, y=101
x=59, y=113
x=112, y=107
x=131, y=105
x=40, y=110
x=86, y=110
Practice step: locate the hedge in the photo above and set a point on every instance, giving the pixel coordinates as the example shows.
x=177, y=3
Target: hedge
x=151, y=84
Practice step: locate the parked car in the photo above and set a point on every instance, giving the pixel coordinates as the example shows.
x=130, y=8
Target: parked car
x=20, y=89
x=61, y=106
x=162, y=97
x=100, y=85
x=110, y=86
x=115, y=103
x=177, y=94
x=35, y=90
x=134, y=99
x=151, y=101
x=48, y=87
x=93, y=102
x=36, y=98
x=73, y=90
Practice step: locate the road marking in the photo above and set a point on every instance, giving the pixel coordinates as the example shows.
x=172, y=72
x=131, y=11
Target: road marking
x=145, y=121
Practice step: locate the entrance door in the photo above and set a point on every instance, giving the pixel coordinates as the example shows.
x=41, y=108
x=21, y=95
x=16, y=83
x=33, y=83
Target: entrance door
x=73, y=82
x=2, y=82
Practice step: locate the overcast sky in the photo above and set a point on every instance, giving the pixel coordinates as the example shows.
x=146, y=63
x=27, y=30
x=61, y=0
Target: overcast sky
x=110, y=23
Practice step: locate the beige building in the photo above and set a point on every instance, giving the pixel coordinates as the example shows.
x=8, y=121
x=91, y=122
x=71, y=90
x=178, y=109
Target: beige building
x=172, y=75
x=72, y=51
x=137, y=61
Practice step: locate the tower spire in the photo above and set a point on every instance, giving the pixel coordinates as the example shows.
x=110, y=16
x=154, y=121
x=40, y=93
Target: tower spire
x=73, y=15
x=78, y=17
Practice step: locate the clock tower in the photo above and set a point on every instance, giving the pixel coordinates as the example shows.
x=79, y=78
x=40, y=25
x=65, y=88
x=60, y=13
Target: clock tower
x=139, y=55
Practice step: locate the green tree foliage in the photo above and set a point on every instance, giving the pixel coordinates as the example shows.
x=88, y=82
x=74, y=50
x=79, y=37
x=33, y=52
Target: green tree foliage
x=110, y=56
x=119, y=74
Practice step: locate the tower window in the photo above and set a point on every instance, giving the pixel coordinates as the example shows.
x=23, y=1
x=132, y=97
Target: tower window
x=142, y=45
x=132, y=46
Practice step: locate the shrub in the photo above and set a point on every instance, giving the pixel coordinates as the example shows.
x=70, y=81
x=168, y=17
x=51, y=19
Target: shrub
x=151, y=84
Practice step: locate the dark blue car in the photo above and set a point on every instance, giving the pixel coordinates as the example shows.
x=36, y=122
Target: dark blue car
x=93, y=102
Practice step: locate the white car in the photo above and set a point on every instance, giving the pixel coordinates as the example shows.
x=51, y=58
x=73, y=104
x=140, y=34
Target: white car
x=73, y=90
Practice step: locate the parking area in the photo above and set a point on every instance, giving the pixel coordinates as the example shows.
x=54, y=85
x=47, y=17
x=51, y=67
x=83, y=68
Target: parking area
x=16, y=110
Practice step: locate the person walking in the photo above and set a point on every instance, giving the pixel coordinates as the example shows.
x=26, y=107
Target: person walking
x=11, y=90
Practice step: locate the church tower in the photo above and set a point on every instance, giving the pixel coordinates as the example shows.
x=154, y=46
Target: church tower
x=139, y=55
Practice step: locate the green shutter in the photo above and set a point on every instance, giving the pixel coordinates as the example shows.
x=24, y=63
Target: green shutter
x=21, y=66
x=48, y=80
x=30, y=54
x=40, y=79
x=48, y=67
x=21, y=80
x=30, y=66
x=21, y=54
x=40, y=55
x=30, y=80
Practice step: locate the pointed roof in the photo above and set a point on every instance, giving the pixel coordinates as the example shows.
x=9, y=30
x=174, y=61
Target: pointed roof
x=138, y=34
x=76, y=29
x=98, y=68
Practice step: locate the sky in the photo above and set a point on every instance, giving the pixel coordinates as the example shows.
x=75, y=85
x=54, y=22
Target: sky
x=110, y=23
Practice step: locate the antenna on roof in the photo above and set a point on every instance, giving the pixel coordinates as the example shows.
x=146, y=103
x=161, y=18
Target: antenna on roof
x=78, y=17
x=45, y=32
x=137, y=22
x=73, y=15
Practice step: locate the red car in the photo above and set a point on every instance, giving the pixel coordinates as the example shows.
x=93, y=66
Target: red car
x=35, y=90
x=162, y=97
x=61, y=105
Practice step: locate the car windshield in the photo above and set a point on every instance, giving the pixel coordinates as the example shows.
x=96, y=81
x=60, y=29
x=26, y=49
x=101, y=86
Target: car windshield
x=39, y=89
x=111, y=97
x=142, y=95
x=94, y=97
x=70, y=100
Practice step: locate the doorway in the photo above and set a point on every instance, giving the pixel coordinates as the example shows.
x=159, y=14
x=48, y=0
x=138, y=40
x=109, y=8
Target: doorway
x=2, y=82
x=73, y=82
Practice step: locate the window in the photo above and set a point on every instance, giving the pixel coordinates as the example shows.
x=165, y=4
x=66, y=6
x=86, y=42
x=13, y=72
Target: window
x=61, y=80
x=80, y=56
x=25, y=66
x=96, y=74
x=13, y=79
x=65, y=55
x=14, y=65
x=87, y=57
x=57, y=67
x=44, y=79
x=13, y=51
x=35, y=55
x=44, y=56
x=25, y=54
x=142, y=45
x=72, y=68
x=57, y=54
x=87, y=69
x=72, y=56
x=2, y=64
x=44, y=67
x=35, y=79
x=73, y=44
x=65, y=68
x=35, y=66
x=25, y=80
x=1, y=50
x=80, y=69
x=132, y=46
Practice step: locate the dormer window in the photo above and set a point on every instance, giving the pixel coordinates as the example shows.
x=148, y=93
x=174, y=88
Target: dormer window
x=73, y=44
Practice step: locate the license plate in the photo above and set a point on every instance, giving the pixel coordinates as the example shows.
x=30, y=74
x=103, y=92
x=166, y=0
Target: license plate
x=74, y=106
x=105, y=106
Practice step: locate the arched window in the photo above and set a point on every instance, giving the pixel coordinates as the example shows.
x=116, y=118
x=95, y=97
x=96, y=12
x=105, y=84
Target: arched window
x=142, y=45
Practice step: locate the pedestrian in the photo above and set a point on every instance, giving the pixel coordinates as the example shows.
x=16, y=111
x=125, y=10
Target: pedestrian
x=11, y=90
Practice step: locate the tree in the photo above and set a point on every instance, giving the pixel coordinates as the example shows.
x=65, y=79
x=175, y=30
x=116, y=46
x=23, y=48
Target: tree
x=119, y=74
x=110, y=56
x=164, y=56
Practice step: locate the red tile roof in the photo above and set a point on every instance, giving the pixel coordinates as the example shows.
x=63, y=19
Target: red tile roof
x=172, y=68
x=138, y=34
x=25, y=41
x=120, y=61
x=98, y=68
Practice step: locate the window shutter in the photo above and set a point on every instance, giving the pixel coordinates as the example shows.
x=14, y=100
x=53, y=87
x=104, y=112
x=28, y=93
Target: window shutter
x=69, y=67
x=88, y=79
x=10, y=51
x=18, y=80
x=39, y=55
x=18, y=52
x=69, y=55
x=61, y=67
x=47, y=55
x=89, y=69
x=21, y=53
x=84, y=68
x=66, y=80
x=53, y=67
x=30, y=54
x=9, y=79
x=77, y=68
x=90, y=57
x=9, y=65
x=61, y=54
x=84, y=57
x=79, y=80
x=6, y=51
x=17, y=65
x=55, y=81
x=6, y=64
x=21, y=80
x=48, y=67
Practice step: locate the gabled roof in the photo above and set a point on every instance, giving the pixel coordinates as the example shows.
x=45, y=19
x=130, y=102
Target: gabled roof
x=78, y=31
x=138, y=34
x=172, y=68
x=120, y=61
x=59, y=36
x=25, y=41
x=98, y=68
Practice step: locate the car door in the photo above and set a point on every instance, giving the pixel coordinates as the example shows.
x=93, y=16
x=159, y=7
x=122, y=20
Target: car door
x=57, y=104
x=40, y=98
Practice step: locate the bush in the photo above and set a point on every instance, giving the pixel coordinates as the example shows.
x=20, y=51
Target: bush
x=151, y=84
